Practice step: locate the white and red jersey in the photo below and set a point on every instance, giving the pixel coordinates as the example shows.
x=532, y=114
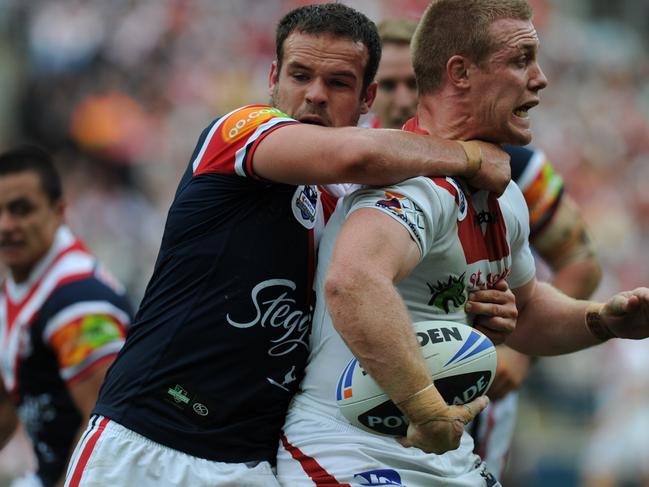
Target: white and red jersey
x=67, y=318
x=466, y=240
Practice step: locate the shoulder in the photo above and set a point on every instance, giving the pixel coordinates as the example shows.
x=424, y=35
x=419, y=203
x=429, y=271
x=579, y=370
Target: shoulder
x=97, y=292
x=520, y=158
x=227, y=144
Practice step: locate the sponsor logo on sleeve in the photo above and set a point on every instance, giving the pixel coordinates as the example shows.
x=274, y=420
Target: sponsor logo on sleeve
x=79, y=338
x=244, y=121
x=405, y=209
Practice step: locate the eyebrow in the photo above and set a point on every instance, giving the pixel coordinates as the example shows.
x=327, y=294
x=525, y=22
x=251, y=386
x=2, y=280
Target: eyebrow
x=345, y=73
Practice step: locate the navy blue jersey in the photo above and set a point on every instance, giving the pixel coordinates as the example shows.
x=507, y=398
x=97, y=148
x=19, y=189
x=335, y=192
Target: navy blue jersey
x=539, y=182
x=67, y=318
x=219, y=343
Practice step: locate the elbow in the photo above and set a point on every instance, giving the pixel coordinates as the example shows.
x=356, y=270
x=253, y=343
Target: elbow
x=345, y=294
x=338, y=294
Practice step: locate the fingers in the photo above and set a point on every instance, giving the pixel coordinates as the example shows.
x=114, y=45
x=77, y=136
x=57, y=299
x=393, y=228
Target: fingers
x=492, y=296
x=405, y=442
x=497, y=337
x=439, y=434
x=473, y=408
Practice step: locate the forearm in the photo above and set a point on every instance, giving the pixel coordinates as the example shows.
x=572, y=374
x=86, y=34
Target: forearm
x=307, y=154
x=551, y=323
x=370, y=316
x=389, y=156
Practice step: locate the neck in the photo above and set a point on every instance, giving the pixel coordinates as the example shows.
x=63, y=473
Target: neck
x=447, y=115
x=20, y=274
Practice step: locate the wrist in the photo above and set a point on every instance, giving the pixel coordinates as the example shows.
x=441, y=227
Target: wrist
x=595, y=323
x=422, y=405
x=473, y=155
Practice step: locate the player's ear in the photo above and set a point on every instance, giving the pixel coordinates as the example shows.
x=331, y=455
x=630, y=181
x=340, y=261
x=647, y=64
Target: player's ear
x=457, y=70
x=58, y=207
x=368, y=97
x=273, y=78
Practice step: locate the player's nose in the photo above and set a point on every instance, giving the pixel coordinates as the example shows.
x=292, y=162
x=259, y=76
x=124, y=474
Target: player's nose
x=316, y=93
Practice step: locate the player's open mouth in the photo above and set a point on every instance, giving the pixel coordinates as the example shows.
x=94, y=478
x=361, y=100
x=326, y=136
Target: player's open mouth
x=522, y=111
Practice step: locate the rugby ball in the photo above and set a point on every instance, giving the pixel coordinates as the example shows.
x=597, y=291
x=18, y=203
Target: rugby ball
x=462, y=362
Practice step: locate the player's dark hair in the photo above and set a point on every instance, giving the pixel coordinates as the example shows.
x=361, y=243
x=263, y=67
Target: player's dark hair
x=338, y=20
x=31, y=158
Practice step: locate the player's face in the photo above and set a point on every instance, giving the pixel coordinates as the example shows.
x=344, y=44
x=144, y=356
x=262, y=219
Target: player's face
x=321, y=80
x=507, y=85
x=28, y=222
x=396, y=96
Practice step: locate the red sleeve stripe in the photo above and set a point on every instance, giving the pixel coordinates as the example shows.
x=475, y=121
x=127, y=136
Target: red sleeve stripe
x=243, y=156
x=199, y=158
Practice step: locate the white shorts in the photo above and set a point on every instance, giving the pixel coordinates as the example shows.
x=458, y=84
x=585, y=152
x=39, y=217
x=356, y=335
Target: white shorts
x=495, y=432
x=316, y=450
x=110, y=454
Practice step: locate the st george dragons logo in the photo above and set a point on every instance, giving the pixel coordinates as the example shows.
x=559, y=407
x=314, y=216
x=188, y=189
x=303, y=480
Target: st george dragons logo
x=447, y=294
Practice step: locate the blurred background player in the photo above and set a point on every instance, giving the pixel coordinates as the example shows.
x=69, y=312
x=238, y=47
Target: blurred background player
x=558, y=232
x=63, y=318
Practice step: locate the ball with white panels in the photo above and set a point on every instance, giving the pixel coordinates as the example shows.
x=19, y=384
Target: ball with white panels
x=462, y=362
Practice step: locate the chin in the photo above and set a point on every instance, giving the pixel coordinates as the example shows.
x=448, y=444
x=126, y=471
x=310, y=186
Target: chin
x=517, y=138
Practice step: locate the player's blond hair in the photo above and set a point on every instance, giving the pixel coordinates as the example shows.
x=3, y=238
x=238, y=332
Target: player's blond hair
x=396, y=31
x=457, y=27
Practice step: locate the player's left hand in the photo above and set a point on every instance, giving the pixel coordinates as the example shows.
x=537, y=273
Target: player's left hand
x=626, y=315
x=495, y=311
x=511, y=371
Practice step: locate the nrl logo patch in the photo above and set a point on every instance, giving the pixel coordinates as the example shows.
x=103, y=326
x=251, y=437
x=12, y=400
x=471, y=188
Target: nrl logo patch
x=305, y=205
x=462, y=206
x=447, y=294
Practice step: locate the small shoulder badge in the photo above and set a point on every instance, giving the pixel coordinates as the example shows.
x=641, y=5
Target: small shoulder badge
x=305, y=205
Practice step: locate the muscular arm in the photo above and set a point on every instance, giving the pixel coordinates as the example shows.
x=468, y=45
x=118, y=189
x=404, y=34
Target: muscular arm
x=551, y=323
x=372, y=252
x=565, y=246
x=8, y=417
x=303, y=153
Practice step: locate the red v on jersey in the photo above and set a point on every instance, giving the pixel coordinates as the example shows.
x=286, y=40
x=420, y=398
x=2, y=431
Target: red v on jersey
x=492, y=244
x=13, y=308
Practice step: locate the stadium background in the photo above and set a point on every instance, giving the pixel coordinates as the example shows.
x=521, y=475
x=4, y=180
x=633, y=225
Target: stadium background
x=119, y=90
